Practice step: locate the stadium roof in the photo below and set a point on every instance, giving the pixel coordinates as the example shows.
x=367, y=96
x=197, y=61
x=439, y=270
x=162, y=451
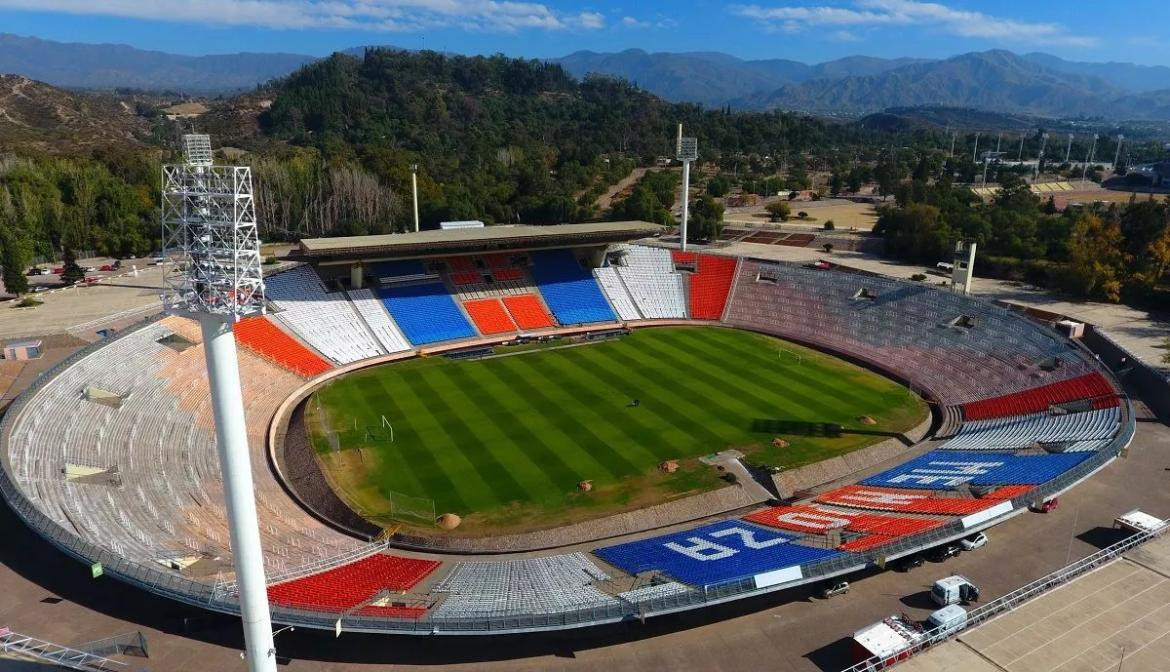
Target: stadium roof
x=507, y=237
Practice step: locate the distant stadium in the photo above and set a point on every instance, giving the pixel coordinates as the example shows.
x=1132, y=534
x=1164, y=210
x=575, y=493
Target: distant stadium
x=416, y=399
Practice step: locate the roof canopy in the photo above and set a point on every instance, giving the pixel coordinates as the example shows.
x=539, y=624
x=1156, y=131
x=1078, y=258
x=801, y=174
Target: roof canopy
x=466, y=241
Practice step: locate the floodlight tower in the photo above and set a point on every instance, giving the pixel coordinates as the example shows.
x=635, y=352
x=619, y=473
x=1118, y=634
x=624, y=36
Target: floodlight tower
x=209, y=235
x=1020, y=158
x=1117, y=154
x=687, y=151
x=1068, y=150
x=1040, y=159
x=414, y=192
x=975, y=152
x=1089, y=159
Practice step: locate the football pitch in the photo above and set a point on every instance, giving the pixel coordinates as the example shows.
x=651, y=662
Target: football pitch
x=504, y=441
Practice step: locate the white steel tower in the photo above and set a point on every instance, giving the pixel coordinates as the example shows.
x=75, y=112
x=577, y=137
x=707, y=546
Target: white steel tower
x=688, y=151
x=209, y=235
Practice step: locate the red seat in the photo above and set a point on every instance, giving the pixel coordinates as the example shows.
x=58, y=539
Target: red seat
x=267, y=340
x=343, y=588
x=466, y=278
x=1092, y=386
x=710, y=283
x=905, y=501
x=528, y=311
x=489, y=316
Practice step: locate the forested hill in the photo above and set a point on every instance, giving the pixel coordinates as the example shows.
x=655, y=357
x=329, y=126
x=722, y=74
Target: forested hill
x=512, y=140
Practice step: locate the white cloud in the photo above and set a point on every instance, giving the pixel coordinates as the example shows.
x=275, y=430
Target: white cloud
x=843, y=36
x=879, y=13
x=376, y=15
x=631, y=22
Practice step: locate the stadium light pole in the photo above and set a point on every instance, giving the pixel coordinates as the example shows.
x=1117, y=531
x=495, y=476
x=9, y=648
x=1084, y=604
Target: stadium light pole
x=414, y=192
x=1117, y=154
x=688, y=152
x=209, y=235
x=1020, y=158
x=998, y=141
x=1068, y=151
x=1088, y=159
x=975, y=152
x=1040, y=159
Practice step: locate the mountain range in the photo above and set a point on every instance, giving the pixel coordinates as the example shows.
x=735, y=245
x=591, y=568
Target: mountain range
x=1030, y=84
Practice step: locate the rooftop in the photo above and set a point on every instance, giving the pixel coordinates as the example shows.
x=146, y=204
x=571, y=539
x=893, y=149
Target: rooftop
x=503, y=237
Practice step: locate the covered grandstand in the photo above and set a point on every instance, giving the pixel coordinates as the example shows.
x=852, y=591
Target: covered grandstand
x=1028, y=414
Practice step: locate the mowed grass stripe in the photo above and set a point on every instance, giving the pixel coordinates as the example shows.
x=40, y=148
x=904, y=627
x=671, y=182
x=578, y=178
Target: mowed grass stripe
x=419, y=451
x=508, y=436
x=558, y=453
x=810, y=377
x=654, y=439
x=599, y=449
x=506, y=474
x=745, y=390
x=481, y=477
x=666, y=399
x=392, y=460
x=603, y=418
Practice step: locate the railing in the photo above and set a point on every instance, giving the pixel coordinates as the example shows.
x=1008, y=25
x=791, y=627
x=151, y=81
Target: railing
x=230, y=588
x=1012, y=600
x=12, y=642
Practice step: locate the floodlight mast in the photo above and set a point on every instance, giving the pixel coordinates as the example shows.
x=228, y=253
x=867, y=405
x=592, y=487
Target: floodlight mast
x=214, y=275
x=688, y=152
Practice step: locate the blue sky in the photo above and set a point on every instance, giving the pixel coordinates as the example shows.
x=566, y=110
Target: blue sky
x=807, y=31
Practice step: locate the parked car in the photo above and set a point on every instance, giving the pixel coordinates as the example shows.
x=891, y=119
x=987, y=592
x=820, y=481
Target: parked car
x=835, y=588
x=1045, y=506
x=106, y=268
x=39, y=288
x=941, y=553
x=973, y=542
x=59, y=270
x=36, y=271
x=89, y=269
x=908, y=563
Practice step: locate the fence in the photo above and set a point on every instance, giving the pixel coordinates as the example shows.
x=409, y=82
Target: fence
x=63, y=656
x=155, y=579
x=1012, y=600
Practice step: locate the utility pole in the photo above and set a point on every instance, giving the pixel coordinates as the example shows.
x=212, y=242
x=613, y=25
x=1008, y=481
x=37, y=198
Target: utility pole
x=414, y=192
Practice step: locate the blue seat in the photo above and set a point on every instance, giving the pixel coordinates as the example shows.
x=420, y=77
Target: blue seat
x=426, y=313
x=946, y=469
x=713, y=554
x=570, y=291
x=397, y=268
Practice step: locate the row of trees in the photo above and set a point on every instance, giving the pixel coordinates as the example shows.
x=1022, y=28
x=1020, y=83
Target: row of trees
x=1112, y=253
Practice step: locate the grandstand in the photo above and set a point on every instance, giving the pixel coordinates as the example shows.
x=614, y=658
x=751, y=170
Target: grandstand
x=1033, y=414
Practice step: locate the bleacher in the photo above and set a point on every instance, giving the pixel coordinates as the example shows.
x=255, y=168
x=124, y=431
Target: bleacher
x=343, y=588
x=324, y=320
x=400, y=270
x=905, y=500
x=528, y=312
x=648, y=275
x=267, y=340
x=710, y=283
x=713, y=554
x=1027, y=430
x=949, y=469
x=615, y=291
x=541, y=585
x=1091, y=386
x=489, y=316
x=373, y=311
x=570, y=291
x=426, y=313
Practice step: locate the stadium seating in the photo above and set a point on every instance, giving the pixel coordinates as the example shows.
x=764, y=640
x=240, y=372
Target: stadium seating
x=489, y=316
x=818, y=520
x=326, y=321
x=904, y=501
x=466, y=277
x=542, y=585
x=945, y=469
x=528, y=312
x=712, y=554
x=615, y=291
x=399, y=270
x=648, y=275
x=570, y=292
x=1089, y=386
x=710, y=284
x=374, y=313
x=264, y=338
x=426, y=313
x=345, y=587
x=1026, y=430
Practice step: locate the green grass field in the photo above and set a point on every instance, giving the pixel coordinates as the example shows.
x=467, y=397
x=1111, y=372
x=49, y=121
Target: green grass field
x=504, y=441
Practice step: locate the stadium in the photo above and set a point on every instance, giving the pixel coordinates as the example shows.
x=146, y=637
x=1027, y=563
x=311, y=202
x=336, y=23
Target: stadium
x=412, y=476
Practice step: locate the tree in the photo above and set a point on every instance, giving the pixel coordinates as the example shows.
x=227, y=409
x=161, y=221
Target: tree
x=836, y=183
x=15, y=253
x=828, y=248
x=830, y=226
x=706, y=219
x=71, y=272
x=1096, y=260
x=779, y=210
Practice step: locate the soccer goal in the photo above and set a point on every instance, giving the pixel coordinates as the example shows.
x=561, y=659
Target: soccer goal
x=412, y=508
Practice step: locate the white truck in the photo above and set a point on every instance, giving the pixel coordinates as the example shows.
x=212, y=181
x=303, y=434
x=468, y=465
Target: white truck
x=891, y=639
x=953, y=590
x=1138, y=521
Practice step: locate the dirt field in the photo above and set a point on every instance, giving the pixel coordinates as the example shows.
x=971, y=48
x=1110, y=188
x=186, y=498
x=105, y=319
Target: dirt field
x=844, y=214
